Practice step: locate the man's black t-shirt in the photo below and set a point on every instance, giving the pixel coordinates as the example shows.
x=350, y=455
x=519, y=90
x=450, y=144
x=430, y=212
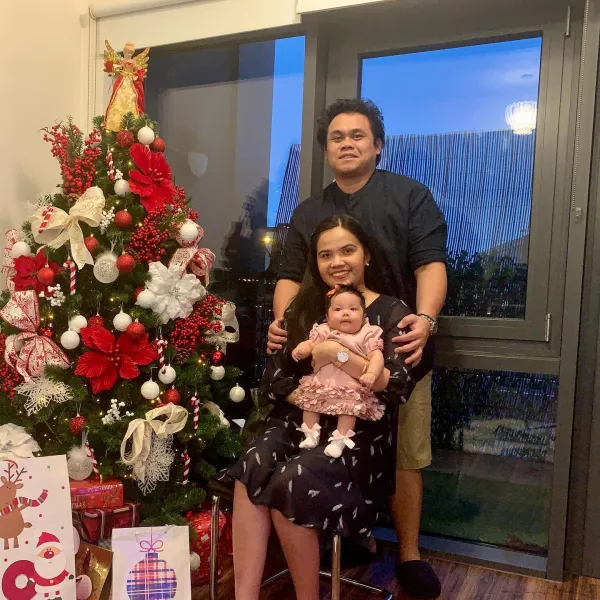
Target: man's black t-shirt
x=405, y=226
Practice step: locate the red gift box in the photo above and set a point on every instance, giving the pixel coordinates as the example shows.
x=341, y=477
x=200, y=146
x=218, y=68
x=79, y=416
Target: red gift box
x=200, y=521
x=93, y=493
x=97, y=523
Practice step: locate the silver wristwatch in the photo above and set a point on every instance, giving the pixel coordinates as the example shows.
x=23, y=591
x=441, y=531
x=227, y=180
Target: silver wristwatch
x=433, y=324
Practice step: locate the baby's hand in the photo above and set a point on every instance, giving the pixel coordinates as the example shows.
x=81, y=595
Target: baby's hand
x=368, y=379
x=301, y=351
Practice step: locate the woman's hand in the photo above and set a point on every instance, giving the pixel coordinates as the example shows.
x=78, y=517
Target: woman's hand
x=323, y=354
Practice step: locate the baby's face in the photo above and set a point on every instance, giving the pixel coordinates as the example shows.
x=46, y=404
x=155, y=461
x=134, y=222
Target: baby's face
x=345, y=313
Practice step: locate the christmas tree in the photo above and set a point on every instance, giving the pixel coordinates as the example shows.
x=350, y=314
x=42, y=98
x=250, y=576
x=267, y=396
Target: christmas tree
x=111, y=347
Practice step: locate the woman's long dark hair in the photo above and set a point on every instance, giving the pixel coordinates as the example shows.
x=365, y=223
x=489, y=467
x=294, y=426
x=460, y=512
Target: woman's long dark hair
x=309, y=305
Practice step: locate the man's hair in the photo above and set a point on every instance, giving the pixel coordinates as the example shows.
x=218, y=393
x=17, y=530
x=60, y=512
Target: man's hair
x=351, y=105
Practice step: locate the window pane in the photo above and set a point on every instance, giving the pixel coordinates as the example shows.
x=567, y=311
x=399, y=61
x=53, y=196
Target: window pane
x=231, y=118
x=493, y=435
x=462, y=121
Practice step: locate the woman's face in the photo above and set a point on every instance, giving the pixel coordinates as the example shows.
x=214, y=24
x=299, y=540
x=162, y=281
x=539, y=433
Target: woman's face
x=341, y=258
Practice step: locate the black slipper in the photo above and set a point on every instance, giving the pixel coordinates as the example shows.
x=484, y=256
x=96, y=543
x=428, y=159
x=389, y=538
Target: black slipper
x=418, y=579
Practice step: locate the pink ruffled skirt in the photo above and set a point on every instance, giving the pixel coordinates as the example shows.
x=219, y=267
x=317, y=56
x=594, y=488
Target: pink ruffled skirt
x=332, y=399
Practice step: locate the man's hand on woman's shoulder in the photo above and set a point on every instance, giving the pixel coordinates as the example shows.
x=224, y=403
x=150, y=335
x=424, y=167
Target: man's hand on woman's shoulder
x=277, y=336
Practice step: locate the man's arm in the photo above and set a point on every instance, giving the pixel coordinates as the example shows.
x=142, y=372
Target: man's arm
x=285, y=291
x=432, y=285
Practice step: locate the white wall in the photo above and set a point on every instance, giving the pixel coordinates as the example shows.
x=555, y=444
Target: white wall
x=40, y=77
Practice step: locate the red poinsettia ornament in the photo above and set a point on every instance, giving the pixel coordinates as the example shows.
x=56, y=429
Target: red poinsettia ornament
x=27, y=268
x=152, y=178
x=109, y=359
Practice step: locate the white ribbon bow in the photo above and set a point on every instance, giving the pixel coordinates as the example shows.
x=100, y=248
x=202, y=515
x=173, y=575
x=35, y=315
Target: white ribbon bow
x=141, y=430
x=53, y=227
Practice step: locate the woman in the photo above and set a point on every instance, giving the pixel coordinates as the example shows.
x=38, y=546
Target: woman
x=304, y=492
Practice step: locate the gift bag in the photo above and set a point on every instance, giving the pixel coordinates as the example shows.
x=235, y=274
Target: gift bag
x=151, y=563
x=37, y=554
x=92, y=565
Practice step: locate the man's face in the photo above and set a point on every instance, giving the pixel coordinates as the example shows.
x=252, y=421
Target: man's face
x=351, y=148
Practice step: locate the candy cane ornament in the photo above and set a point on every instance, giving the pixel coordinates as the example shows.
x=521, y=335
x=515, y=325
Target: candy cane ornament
x=185, y=457
x=46, y=215
x=90, y=452
x=195, y=402
x=162, y=344
x=111, y=166
x=70, y=264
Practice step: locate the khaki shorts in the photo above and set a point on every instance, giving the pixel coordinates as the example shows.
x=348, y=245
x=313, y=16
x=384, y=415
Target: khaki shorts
x=414, y=428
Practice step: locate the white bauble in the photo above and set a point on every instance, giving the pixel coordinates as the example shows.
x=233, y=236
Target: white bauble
x=69, y=339
x=145, y=136
x=77, y=323
x=146, y=299
x=105, y=268
x=237, y=393
x=79, y=464
x=122, y=321
x=121, y=187
x=188, y=231
x=217, y=373
x=20, y=249
x=194, y=561
x=150, y=390
x=167, y=375
x=83, y=587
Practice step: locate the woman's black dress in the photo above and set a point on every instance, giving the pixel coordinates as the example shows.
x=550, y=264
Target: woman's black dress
x=341, y=495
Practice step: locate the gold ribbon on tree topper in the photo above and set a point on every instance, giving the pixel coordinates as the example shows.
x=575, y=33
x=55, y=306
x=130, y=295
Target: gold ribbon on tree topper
x=53, y=227
x=143, y=434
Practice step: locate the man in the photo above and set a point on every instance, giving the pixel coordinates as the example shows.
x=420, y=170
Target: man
x=408, y=233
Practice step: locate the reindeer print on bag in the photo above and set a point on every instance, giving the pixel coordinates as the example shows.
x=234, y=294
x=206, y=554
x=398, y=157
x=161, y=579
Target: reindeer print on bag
x=12, y=523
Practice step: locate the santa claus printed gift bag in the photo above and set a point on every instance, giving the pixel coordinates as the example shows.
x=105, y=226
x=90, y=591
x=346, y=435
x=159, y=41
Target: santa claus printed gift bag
x=151, y=563
x=37, y=555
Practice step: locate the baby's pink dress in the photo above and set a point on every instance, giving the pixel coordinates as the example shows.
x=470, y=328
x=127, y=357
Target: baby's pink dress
x=331, y=391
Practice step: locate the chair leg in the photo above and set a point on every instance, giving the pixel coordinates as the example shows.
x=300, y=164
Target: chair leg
x=336, y=559
x=214, y=548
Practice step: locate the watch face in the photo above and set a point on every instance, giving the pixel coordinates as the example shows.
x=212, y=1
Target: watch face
x=434, y=328
x=343, y=356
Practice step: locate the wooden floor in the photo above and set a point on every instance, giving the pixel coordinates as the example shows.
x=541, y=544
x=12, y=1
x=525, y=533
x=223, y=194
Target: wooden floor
x=459, y=582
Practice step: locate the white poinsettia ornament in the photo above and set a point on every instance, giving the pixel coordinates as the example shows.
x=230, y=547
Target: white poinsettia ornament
x=174, y=292
x=15, y=442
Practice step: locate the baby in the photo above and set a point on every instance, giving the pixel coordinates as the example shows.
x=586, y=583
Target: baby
x=331, y=390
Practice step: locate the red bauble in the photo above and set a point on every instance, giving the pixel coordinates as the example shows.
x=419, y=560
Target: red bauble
x=125, y=138
x=46, y=332
x=46, y=276
x=91, y=243
x=76, y=424
x=125, y=263
x=138, y=291
x=96, y=321
x=172, y=396
x=135, y=330
x=123, y=219
x=217, y=358
x=158, y=145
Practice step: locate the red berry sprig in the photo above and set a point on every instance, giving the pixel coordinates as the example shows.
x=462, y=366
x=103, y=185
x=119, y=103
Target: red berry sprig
x=147, y=240
x=75, y=155
x=190, y=332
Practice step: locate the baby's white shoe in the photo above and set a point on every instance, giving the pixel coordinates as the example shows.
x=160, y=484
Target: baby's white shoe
x=337, y=442
x=312, y=436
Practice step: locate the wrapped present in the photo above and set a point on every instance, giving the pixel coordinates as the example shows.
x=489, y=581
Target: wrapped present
x=200, y=521
x=93, y=524
x=92, y=566
x=227, y=534
x=93, y=493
